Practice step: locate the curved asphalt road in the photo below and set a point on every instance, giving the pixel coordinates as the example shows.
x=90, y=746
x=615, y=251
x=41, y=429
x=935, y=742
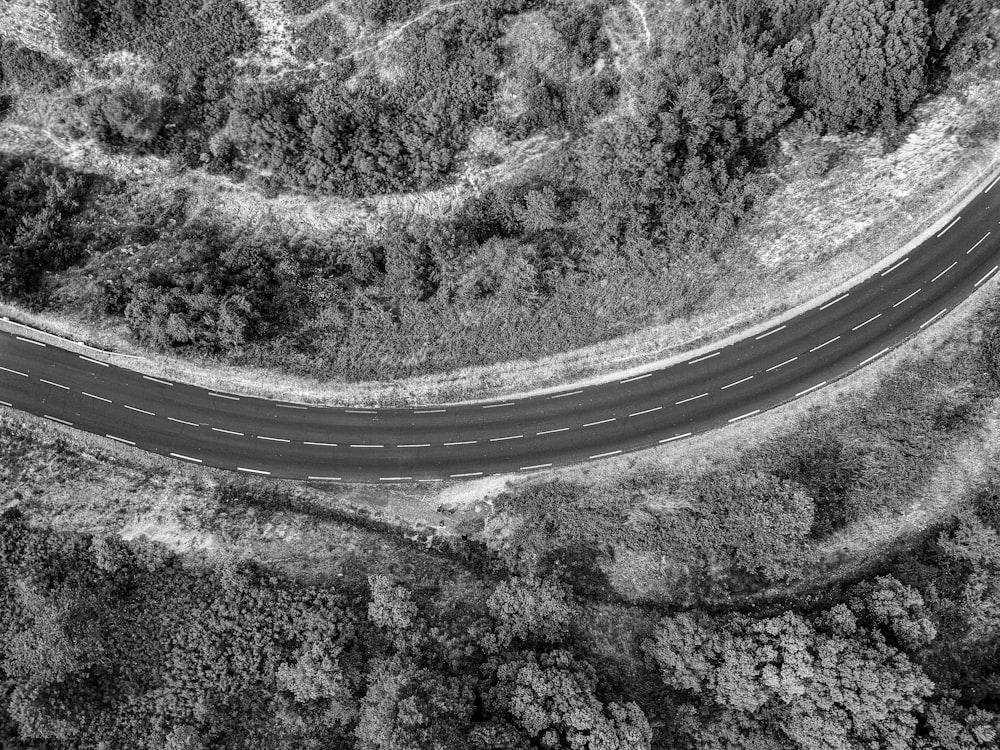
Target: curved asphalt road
x=262, y=437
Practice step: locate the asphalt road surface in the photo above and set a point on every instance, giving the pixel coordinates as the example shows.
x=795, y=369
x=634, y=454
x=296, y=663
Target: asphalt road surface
x=322, y=443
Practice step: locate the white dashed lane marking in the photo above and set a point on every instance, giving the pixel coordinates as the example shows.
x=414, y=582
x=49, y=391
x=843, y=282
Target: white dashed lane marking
x=223, y=395
x=981, y=241
x=988, y=274
x=227, y=432
x=414, y=445
x=273, y=439
x=156, y=380
x=468, y=474
x=602, y=421
x=462, y=442
x=536, y=466
x=953, y=223
x=936, y=316
x=549, y=432
x=807, y=390
x=366, y=445
x=637, y=377
x=676, y=437
x=887, y=271
x=29, y=341
x=645, y=411
x=605, y=455
x=183, y=421
x=394, y=479
x=834, y=302
x=325, y=479
x=748, y=377
x=141, y=411
x=781, y=364
x=944, y=272
x=773, y=330
x=14, y=372
x=54, y=385
x=56, y=419
x=564, y=395
x=291, y=406
x=429, y=411
x=93, y=361
x=498, y=406
x=744, y=416
x=693, y=398
x=874, y=357
x=253, y=471
x=360, y=411
x=862, y=325
x=825, y=343
x=702, y=359
x=324, y=445
x=4, y=403
x=908, y=296
x=120, y=440
x=991, y=185
x=509, y=437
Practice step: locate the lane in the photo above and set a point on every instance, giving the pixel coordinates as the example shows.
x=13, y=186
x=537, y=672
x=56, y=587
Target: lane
x=438, y=441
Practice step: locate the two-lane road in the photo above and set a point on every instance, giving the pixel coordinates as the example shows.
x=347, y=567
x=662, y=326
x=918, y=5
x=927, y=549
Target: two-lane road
x=433, y=442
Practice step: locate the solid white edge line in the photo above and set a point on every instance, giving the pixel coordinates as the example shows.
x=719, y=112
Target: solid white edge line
x=186, y=458
x=603, y=421
x=141, y=411
x=94, y=361
x=981, y=241
x=908, y=296
x=563, y=395
x=468, y=474
x=536, y=466
x=227, y=432
x=744, y=416
x=273, y=439
x=955, y=263
x=887, y=271
x=637, y=377
x=120, y=440
x=862, y=325
x=509, y=437
x=693, y=398
x=991, y=185
x=874, y=356
x=773, y=330
x=702, y=359
x=748, y=377
x=605, y=455
x=549, y=432
x=645, y=411
x=807, y=390
x=99, y=398
x=325, y=479
x=781, y=364
x=324, y=445
x=825, y=343
x=57, y=385
x=461, y=442
x=223, y=395
x=29, y=341
x=56, y=419
x=834, y=302
x=14, y=372
x=928, y=322
x=181, y=421
x=253, y=471
x=988, y=274
x=953, y=223
x=156, y=380
x=497, y=406
x=675, y=437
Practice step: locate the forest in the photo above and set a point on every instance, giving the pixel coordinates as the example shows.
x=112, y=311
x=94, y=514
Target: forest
x=625, y=222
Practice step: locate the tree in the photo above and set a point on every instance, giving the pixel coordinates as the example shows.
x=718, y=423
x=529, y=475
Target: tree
x=825, y=685
x=529, y=609
x=869, y=63
x=554, y=700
